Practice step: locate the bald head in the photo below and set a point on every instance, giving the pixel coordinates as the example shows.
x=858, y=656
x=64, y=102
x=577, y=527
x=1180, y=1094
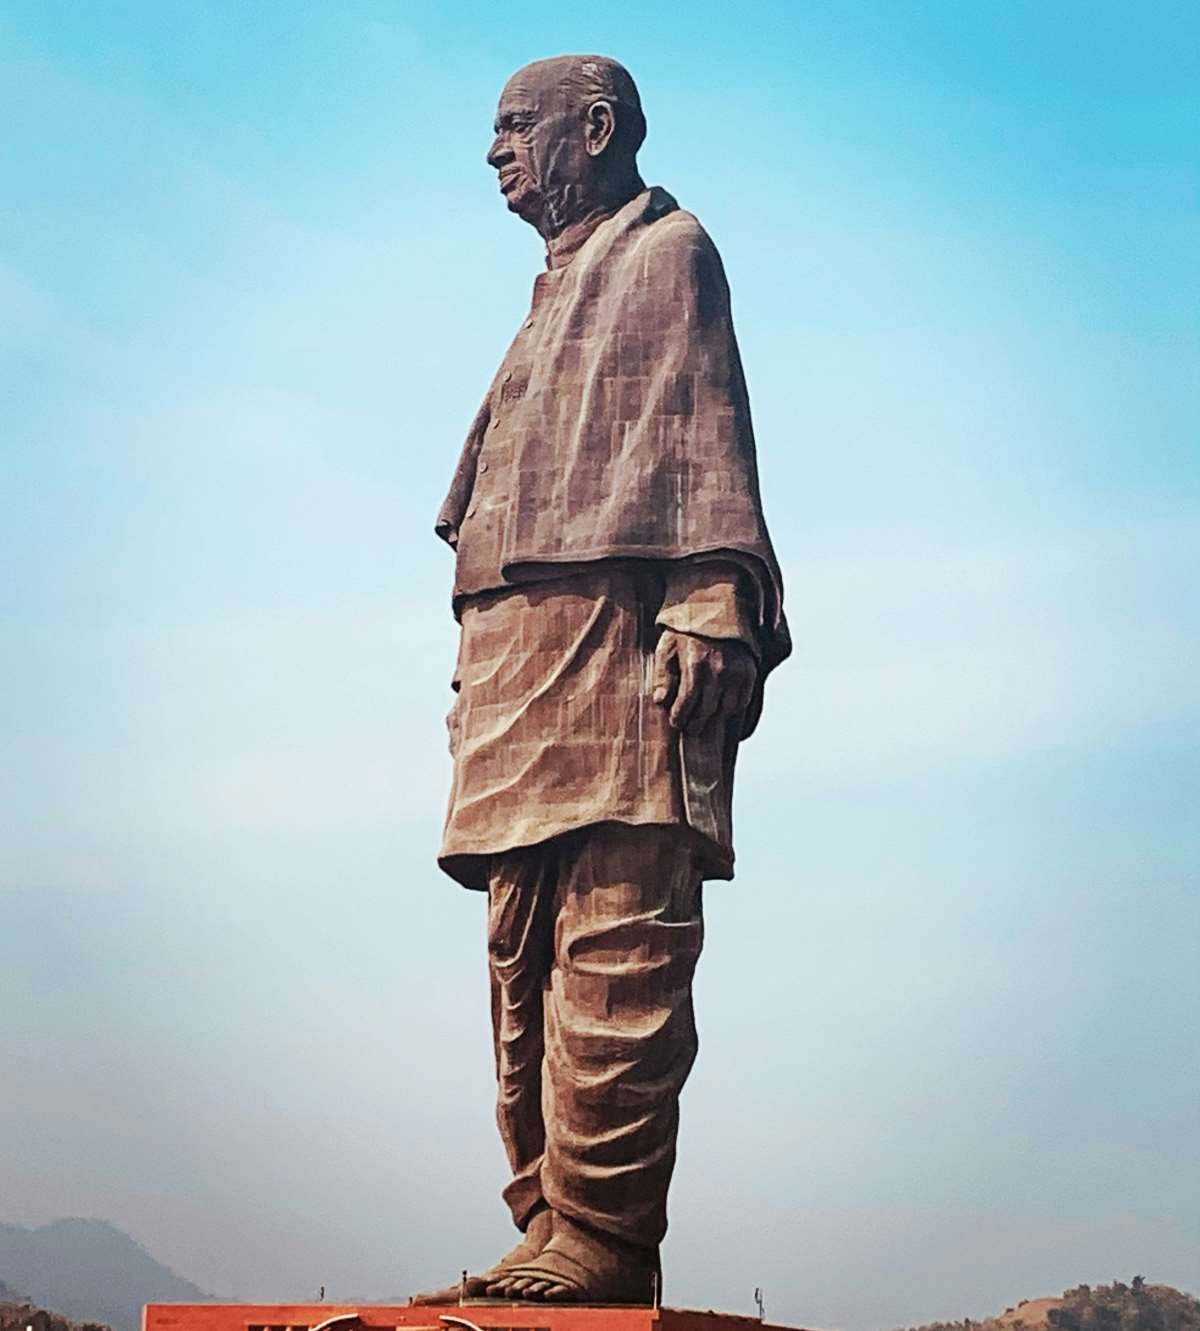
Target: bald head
x=567, y=134
x=578, y=81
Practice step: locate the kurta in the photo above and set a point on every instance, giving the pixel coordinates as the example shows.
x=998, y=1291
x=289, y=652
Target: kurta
x=554, y=727
x=607, y=490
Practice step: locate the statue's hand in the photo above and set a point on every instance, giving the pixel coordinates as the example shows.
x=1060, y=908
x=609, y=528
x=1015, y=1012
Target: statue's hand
x=699, y=678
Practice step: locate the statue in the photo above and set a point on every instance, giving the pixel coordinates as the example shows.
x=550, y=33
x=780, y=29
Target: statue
x=620, y=607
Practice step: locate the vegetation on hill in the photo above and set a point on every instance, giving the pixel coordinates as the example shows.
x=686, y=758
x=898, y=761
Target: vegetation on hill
x=1116, y=1307
x=1133, y=1307
x=17, y=1313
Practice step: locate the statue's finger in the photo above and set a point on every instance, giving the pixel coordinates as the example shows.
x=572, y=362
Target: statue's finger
x=707, y=702
x=685, y=694
x=666, y=668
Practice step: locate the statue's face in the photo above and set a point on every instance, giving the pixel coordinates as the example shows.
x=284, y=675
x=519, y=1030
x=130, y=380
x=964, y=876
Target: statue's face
x=540, y=151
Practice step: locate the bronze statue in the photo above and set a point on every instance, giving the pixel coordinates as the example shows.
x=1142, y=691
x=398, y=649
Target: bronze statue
x=620, y=606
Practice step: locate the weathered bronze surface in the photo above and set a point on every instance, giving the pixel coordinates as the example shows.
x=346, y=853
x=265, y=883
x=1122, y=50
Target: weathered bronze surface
x=620, y=606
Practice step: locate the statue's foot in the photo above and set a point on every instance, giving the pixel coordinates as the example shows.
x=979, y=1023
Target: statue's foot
x=579, y=1265
x=537, y=1236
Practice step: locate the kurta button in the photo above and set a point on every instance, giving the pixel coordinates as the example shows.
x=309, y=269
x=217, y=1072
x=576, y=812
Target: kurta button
x=507, y=375
x=528, y=323
x=496, y=424
x=483, y=466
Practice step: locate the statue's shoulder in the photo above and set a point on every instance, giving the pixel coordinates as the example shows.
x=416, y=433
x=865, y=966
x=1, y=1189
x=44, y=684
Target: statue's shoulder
x=673, y=253
x=670, y=235
x=667, y=224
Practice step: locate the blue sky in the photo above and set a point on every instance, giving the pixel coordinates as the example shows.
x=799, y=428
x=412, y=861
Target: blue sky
x=254, y=276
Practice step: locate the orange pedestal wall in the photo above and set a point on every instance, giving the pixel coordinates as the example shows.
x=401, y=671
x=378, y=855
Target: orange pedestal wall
x=468, y=1317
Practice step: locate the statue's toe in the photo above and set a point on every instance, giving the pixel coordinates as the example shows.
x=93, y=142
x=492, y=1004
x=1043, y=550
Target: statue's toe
x=448, y=1294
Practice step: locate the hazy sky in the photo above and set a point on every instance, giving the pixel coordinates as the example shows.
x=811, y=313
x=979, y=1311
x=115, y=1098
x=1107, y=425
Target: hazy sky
x=254, y=277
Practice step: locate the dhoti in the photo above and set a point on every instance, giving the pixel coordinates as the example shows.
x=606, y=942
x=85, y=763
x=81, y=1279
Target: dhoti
x=592, y=943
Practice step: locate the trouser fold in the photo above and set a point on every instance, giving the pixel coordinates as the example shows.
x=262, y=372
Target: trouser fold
x=593, y=940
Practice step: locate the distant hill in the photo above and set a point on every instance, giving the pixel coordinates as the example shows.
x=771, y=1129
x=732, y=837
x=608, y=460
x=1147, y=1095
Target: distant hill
x=1116, y=1307
x=89, y=1271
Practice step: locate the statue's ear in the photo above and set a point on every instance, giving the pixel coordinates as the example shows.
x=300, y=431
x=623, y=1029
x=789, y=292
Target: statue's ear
x=598, y=127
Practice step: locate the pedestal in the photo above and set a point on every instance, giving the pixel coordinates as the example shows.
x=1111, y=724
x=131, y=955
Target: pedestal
x=455, y=1317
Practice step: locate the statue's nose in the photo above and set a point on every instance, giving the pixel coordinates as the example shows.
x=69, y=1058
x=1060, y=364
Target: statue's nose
x=498, y=153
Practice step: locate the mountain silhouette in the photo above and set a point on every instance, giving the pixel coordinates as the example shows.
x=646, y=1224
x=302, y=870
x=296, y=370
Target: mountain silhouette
x=90, y=1271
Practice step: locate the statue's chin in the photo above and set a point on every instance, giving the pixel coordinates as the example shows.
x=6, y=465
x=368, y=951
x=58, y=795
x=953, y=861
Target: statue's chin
x=526, y=204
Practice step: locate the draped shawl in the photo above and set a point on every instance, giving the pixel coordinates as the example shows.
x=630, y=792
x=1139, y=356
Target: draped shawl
x=633, y=437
